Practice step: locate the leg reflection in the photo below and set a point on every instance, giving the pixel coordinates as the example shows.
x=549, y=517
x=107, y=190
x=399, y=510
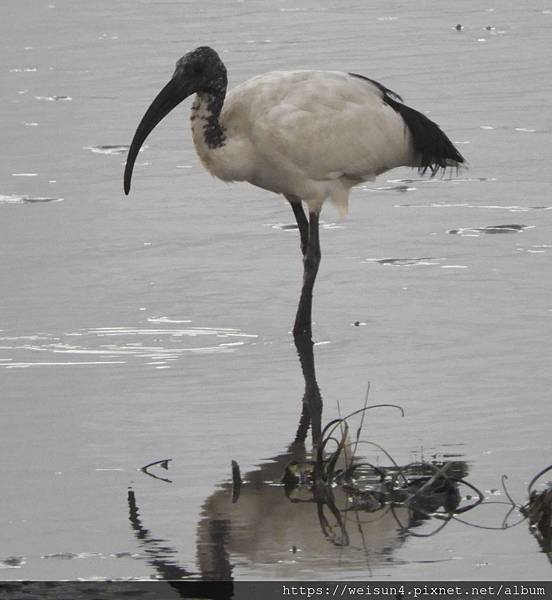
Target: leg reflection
x=312, y=398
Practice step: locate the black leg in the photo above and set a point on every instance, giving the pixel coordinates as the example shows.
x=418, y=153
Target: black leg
x=311, y=261
x=302, y=221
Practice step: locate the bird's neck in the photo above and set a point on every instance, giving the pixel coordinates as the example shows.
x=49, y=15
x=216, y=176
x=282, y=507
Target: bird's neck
x=206, y=127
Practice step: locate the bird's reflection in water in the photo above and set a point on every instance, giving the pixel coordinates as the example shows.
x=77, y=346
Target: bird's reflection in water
x=307, y=525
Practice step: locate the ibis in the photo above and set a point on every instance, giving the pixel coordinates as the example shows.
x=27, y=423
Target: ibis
x=308, y=135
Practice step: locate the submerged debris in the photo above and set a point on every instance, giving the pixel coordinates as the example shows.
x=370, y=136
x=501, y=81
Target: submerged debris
x=426, y=489
x=539, y=512
x=163, y=463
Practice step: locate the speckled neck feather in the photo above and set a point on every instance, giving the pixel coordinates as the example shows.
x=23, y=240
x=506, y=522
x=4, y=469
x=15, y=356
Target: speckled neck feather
x=206, y=108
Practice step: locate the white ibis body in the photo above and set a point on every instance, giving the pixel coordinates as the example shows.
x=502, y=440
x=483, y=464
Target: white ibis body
x=309, y=135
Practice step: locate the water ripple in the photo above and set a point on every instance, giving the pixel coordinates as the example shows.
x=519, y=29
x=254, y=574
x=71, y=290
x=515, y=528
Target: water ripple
x=489, y=229
x=405, y=262
x=294, y=226
x=84, y=555
x=404, y=184
x=12, y=562
x=389, y=188
x=442, y=180
x=108, y=149
x=54, y=98
x=157, y=347
x=509, y=208
x=15, y=199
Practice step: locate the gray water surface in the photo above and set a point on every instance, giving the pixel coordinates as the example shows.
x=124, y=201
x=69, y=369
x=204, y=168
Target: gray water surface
x=156, y=326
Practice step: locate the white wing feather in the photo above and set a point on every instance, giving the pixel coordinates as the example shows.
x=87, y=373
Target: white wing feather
x=327, y=124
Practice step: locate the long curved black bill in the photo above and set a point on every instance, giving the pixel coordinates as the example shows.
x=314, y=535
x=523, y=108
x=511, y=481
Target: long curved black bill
x=169, y=97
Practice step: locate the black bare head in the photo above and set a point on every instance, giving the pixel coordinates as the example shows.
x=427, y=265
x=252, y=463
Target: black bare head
x=200, y=70
x=204, y=68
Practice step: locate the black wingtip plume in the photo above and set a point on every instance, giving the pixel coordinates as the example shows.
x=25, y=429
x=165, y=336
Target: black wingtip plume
x=434, y=149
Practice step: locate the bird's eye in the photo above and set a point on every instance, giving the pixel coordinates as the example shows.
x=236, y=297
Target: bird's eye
x=197, y=68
